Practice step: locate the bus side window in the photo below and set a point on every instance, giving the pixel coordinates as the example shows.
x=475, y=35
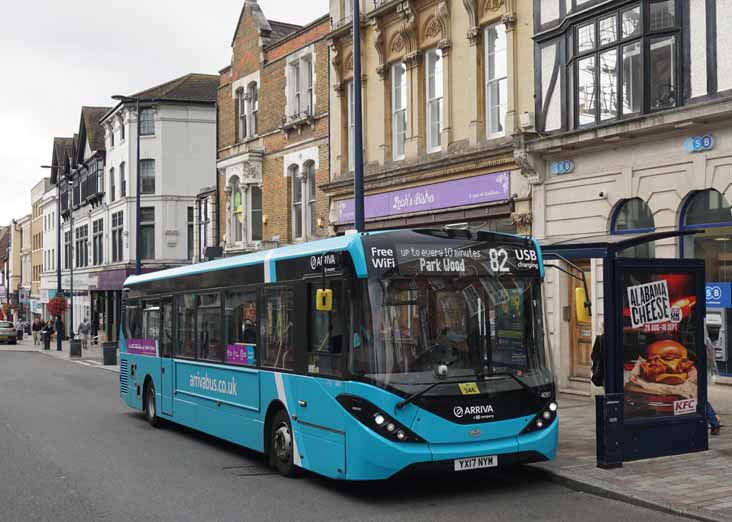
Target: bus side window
x=185, y=311
x=240, y=315
x=327, y=333
x=210, y=345
x=278, y=342
x=133, y=320
x=151, y=321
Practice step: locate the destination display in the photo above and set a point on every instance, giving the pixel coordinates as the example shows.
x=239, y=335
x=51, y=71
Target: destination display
x=455, y=257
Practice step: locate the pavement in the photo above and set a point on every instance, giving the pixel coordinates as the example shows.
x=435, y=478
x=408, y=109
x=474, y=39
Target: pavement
x=92, y=356
x=696, y=485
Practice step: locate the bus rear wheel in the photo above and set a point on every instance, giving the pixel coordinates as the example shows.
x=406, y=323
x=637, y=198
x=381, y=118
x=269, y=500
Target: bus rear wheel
x=150, y=408
x=281, y=447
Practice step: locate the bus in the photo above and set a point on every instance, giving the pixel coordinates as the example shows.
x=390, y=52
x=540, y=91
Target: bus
x=358, y=357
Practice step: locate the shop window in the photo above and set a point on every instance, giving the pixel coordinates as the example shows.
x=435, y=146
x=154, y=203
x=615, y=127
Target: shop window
x=709, y=213
x=633, y=216
x=279, y=319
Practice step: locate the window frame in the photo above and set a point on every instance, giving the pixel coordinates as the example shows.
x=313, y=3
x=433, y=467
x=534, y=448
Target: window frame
x=147, y=225
x=147, y=123
x=432, y=98
x=241, y=114
x=258, y=211
x=645, y=36
x=146, y=177
x=397, y=112
x=298, y=182
x=502, y=106
x=351, y=125
x=117, y=232
x=98, y=242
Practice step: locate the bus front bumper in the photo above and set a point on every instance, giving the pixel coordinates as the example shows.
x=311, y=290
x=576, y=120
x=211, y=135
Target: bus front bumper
x=387, y=459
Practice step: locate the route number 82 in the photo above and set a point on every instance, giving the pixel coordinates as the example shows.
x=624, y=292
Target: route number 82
x=498, y=259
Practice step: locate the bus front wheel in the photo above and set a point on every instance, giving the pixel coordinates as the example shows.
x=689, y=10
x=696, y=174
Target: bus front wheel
x=281, y=445
x=151, y=412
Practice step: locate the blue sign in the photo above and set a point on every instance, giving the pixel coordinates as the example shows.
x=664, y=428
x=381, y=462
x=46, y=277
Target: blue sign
x=699, y=143
x=719, y=295
x=562, y=167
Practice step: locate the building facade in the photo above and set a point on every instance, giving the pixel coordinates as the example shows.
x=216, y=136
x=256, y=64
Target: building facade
x=26, y=265
x=49, y=210
x=37, y=255
x=273, y=134
x=632, y=110
x=443, y=98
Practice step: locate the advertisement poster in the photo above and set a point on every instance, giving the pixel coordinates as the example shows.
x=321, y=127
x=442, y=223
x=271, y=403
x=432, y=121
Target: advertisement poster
x=661, y=366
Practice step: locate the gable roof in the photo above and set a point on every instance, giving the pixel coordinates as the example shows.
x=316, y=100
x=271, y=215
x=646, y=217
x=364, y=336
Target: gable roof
x=192, y=87
x=281, y=30
x=60, y=145
x=91, y=118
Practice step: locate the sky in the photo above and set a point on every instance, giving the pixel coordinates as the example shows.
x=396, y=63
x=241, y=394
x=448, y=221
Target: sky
x=58, y=56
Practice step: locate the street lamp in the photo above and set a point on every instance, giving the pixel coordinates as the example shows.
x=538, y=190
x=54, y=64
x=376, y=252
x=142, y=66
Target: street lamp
x=59, y=286
x=138, y=239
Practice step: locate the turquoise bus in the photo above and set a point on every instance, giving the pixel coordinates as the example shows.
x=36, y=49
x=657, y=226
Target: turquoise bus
x=358, y=357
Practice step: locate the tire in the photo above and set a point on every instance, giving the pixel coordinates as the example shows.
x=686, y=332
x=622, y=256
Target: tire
x=149, y=405
x=281, y=447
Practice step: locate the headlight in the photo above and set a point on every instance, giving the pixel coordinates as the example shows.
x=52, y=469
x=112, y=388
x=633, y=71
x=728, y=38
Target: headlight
x=543, y=419
x=376, y=420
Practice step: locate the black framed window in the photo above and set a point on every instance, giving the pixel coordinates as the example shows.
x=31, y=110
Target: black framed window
x=147, y=122
x=166, y=327
x=82, y=246
x=98, y=242
x=151, y=320
x=117, y=228
x=191, y=224
x=147, y=232
x=122, y=180
x=67, y=250
x=147, y=176
x=112, y=186
x=624, y=62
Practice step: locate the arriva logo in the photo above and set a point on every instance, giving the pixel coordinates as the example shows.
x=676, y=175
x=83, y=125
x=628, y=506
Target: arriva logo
x=484, y=409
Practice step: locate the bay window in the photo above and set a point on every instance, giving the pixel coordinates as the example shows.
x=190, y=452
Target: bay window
x=610, y=55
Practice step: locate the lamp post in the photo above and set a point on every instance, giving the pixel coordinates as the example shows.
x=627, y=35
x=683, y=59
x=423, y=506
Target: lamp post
x=357, y=120
x=138, y=238
x=59, y=286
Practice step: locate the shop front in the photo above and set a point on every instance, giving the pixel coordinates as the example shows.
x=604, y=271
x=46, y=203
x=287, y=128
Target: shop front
x=106, y=303
x=482, y=201
x=645, y=185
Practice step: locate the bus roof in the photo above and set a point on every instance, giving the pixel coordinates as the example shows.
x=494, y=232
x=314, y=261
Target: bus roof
x=350, y=242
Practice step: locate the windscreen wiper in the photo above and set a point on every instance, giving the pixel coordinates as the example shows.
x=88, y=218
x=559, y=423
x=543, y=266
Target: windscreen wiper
x=484, y=378
x=421, y=392
x=521, y=383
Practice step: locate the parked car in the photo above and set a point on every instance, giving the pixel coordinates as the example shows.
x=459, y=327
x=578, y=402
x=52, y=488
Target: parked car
x=8, y=333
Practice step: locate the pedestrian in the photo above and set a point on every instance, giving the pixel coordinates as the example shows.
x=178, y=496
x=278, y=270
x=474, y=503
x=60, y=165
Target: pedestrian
x=715, y=426
x=36, y=328
x=598, y=362
x=84, y=329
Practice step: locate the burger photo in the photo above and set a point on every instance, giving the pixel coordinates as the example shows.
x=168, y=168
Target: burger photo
x=666, y=370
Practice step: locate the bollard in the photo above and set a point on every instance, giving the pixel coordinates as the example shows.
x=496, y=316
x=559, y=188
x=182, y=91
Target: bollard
x=109, y=353
x=75, y=348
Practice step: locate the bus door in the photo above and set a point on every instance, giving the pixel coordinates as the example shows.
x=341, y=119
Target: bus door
x=327, y=333
x=167, y=377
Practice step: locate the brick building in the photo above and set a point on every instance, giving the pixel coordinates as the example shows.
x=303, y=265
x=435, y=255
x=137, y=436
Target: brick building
x=273, y=133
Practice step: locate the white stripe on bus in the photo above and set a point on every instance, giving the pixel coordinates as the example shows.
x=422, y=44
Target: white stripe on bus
x=280, y=384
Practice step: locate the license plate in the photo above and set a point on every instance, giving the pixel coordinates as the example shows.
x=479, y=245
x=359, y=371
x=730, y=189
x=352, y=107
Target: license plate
x=487, y=461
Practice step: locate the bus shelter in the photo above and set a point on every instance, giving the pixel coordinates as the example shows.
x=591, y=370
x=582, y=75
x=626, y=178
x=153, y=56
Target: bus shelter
x=654, y=357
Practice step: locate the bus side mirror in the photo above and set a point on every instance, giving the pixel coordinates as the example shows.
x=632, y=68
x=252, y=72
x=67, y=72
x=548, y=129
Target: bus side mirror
x=324, y=300
x=582, y=305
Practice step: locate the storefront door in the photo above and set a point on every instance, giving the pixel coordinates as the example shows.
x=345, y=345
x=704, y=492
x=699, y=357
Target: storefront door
x=580, y=332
